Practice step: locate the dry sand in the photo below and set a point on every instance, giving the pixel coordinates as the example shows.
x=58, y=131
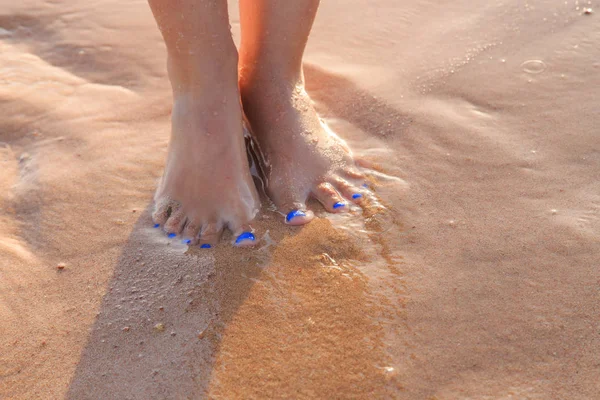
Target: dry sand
x=481, y=281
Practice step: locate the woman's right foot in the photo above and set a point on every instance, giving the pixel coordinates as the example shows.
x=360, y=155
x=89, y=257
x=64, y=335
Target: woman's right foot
x=206, y=186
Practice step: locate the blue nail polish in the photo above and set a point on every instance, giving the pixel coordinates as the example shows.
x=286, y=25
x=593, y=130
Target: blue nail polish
x=171, y=235
x=186, y=241
x=244, y=236
x=157, y=225
x=293, y=214
x=339, y=204
x=357, y=196
x=205, y=246
x=365, y=185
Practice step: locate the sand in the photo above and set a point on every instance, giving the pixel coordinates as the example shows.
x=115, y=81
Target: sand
x=480, y=279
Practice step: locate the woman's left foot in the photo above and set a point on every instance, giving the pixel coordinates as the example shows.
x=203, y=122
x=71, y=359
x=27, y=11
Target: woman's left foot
x=304, y=157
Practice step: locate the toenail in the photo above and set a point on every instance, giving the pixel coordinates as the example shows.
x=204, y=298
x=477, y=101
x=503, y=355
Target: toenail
x=357, y=196
x=293, y=214
x=244, y=236
x=365, y=185
x=339, y=204
x=206, y=246
x=157, y=225
x=171, y=235
x=186, y=241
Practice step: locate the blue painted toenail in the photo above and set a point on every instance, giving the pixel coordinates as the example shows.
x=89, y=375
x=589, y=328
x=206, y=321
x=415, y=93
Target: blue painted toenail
x=244, y=236
x=339, y=204
x=356, y=196
x=171, y=235
x=157, y=225
x=293, y=214
x=205, y=246
x=186, y=241
x=365, y=185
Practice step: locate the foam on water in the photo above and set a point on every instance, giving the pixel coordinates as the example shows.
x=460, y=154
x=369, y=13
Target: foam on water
x=534, y=66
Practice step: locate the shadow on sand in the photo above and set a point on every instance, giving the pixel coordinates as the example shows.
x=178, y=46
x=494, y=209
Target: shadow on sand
x=342, y=99
x=165, y=309
x=161, y=319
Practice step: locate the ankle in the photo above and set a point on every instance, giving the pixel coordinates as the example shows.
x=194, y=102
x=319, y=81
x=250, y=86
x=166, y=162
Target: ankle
x=256, y=79
x=191, y=73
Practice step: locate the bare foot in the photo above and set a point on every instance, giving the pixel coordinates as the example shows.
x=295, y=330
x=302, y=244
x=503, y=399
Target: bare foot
x=207, y=185
x=304, y=157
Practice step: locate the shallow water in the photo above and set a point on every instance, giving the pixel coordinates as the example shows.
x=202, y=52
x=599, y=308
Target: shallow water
x=478, y=280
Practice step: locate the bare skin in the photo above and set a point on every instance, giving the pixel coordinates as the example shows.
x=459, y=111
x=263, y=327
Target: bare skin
x=306, y=159
x=206, y=186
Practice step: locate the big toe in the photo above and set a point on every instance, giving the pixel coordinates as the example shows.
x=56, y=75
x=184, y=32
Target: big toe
x=244, y=237
x=295, y=212
x=298, y=216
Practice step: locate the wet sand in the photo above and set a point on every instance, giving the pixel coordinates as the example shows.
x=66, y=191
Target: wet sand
x=480, y=280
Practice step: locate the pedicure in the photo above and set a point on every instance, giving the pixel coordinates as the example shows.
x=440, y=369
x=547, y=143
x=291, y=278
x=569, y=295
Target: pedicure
x=339, y=204
x=357, y=196
x=186, y=241
x=245, y=236
x=365, y=185
x=157, y=225
x=171, y=235
x=293, y=214
x=206, y=246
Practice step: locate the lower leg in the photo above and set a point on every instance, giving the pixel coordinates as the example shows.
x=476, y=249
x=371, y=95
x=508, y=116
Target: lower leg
x=198, y=40
x=306, y=158
x=274, y=36
x=206, y=185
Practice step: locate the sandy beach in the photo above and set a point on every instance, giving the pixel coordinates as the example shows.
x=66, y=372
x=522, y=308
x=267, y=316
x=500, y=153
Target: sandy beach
x=477, y=278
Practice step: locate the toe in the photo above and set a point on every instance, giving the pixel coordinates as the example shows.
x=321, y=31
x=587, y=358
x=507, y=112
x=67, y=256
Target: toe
x=163, y=210
x=190, y=232
x=326, y=194
x=210, y=235
x=299, y=216
x=245, y=238
x=291, y=203
x=354, y=174
x=351, y=192
x=175, y=223
x=296, y=213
